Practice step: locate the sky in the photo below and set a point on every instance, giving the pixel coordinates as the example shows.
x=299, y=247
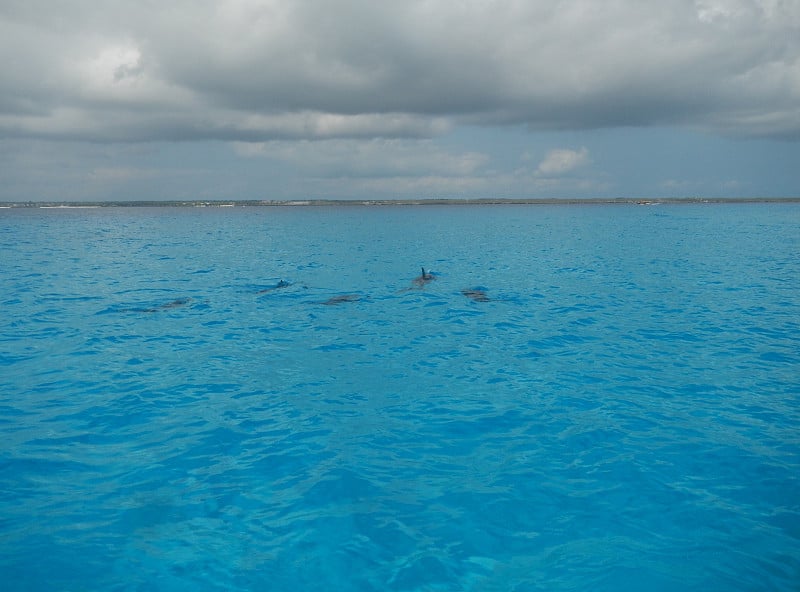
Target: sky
x=358, y=99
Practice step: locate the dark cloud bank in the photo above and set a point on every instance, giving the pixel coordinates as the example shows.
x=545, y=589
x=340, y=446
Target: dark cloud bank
x=254, y=71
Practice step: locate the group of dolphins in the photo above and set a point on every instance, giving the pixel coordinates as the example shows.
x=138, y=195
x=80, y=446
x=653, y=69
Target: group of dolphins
x=418, y=283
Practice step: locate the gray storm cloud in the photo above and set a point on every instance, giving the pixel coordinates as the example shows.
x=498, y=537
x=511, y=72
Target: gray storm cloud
x=254, y=71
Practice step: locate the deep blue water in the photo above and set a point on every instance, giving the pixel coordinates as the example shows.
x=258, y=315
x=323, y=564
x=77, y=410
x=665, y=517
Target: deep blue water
x=622, y=414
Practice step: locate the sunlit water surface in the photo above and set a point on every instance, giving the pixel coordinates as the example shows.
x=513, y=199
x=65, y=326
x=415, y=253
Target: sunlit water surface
x=621, y=414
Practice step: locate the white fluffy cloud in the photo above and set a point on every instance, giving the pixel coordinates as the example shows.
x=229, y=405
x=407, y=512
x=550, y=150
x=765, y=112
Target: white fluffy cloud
x=561, y=161
x=259, y=70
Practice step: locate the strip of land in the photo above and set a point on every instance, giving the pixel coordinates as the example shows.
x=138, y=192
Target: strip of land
x=393, y=202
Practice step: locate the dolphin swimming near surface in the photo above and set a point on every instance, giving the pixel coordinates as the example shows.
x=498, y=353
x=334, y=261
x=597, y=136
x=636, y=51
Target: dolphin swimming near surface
x=341, y=299
x=475, y=294
x=424, y=278
x=419, y=282
x=278, y=286
x=178, y=302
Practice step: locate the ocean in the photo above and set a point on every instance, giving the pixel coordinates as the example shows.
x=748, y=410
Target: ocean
x=580, y=397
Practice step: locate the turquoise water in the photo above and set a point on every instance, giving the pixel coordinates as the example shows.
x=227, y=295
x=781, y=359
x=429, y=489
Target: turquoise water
x=621, y=414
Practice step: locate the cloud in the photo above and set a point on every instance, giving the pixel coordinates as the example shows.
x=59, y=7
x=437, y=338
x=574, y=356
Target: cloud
x=562, y=161
x=374, y=158
x=412, y=167
x=261, y=70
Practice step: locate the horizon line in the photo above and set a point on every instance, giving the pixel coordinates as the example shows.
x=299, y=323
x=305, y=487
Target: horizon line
x=390, y=202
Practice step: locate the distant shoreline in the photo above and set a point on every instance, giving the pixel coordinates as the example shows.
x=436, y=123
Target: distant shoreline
x=390, y=202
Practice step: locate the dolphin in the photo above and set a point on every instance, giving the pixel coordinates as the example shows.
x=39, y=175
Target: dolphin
x=423, y=278
x=475, y=294
x=278, y=286
x=419, y=282
x=178, y=302
x=342, y=298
